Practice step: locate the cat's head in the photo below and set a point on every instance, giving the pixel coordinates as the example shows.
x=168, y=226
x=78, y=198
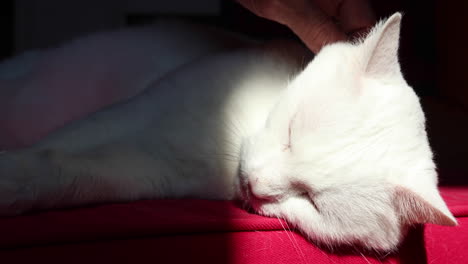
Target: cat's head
x=344, y=154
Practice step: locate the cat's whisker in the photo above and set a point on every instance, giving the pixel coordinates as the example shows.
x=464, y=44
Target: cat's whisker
x=293, y=240
x=386, y=255
x=224, y=156
x=238, y=123
x=364, y=257
x=237, y=126
x=287, y=233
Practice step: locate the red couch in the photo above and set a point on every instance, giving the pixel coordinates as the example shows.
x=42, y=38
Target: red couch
x=200, y=231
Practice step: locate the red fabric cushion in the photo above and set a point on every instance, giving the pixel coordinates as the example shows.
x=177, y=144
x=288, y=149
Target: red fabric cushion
x=449, y=244
x=200, y=231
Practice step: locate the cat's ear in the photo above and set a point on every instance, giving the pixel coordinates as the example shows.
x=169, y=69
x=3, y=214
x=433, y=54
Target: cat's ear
x=420, y=205
x=381, y=48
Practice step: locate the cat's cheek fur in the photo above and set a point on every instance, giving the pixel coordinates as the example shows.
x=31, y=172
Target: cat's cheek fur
x=340, y=227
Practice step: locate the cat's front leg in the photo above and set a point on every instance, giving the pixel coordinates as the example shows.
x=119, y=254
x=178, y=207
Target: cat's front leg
x=19, y=183
x=37, y=180
x=47, y=179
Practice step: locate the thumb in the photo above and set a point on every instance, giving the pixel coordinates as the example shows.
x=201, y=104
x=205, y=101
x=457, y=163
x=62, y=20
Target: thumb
x=315, y=28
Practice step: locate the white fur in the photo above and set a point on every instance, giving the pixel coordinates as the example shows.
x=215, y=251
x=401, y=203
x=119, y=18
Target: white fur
x=338, y=149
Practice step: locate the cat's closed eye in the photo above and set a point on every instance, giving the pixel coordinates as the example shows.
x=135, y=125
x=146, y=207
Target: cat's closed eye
x=287, y=146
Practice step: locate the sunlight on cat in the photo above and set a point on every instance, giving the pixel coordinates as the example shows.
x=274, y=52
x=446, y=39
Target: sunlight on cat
x=337, y=147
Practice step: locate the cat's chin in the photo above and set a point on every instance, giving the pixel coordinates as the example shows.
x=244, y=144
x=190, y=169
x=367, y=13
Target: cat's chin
x=253, y=203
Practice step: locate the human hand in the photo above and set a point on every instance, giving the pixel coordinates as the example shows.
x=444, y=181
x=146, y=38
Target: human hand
x=317, y=22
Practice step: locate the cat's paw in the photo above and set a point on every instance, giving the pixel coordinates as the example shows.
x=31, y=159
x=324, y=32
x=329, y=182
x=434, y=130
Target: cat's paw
x=15, y=192
x=10, y=202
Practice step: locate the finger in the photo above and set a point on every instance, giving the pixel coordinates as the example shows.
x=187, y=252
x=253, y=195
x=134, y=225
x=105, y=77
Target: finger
x=277, y=10
x=355, y=16
x=315, y=28
x=258, y=7
x=330, y=7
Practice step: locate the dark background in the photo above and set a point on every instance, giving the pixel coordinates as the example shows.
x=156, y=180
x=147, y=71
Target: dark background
x=418, y=50
x=433, y=51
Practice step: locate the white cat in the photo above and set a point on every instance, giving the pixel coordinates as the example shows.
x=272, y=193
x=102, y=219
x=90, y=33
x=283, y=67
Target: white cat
x=338, y=148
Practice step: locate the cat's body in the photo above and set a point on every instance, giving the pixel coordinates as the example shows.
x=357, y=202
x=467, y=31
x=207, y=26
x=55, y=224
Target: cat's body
x=149, y=134
x=73, y=80
x=338, y=149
